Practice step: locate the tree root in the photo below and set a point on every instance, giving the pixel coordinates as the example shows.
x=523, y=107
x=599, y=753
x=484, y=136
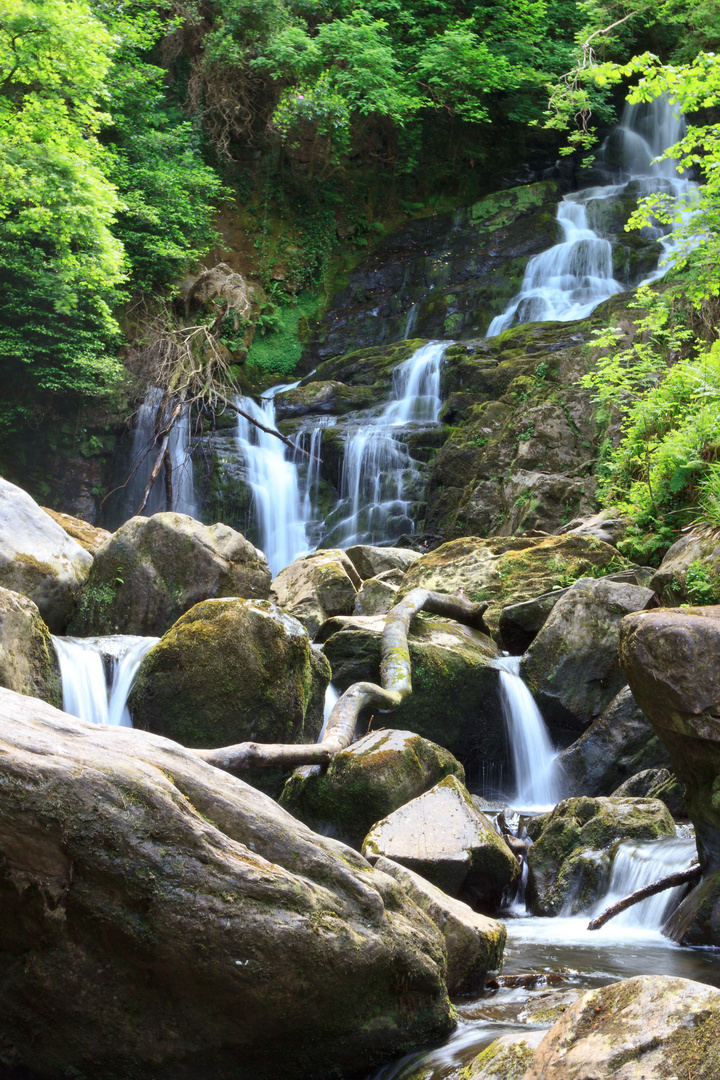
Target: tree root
x=395, y=676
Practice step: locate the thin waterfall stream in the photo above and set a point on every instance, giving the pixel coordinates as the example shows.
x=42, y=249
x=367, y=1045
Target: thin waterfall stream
x=97, y=675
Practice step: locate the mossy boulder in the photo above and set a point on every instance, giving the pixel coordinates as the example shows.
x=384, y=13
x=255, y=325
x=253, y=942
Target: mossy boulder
x=38, y=559
x=574, y=845
x=323, y=398
x=474, y=942
x=572, y=666
x=506, y=1058
x=370, y=561
x=378, y=594
x=366, y=782
x=690, y=570
x=444, y=837
x=670, y=658
x=154, y=569
x=88, y=536
x=28, y=663
x=652, y=1027
x=316, y=587
x=232, y=671
x=655, y=784
x=456, y=695
x=616, y=746
x=507, y=570
x=164, y=920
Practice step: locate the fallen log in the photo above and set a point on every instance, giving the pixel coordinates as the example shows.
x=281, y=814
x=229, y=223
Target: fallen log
x=671, y=881
x=395, y=676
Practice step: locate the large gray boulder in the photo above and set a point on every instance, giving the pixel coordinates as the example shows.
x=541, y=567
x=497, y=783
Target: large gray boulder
x=652, y=1027
x=456, y=696
x=444, y=837
x=165, y=921
x=319, y=585
x=574, y=845
x=28, y=663
x=620, y=743
x=366, y=782
x=154, y=569
x=38, y=558
x=474, y=942
x=370, y=561
x=232, y=671
x=572, y=666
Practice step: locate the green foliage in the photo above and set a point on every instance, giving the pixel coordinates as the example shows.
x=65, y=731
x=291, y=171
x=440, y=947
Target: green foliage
x=701, y=585
x=277, y=347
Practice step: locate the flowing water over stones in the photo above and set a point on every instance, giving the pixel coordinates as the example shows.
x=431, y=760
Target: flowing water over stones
x=536, y=779
x=98, y=673
x=571, y=278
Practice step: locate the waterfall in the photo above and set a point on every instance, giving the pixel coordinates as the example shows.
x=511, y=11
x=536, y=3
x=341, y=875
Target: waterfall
x=332, y=695
x=272, y=474
x=183, y=499
x=380, y=480
x=533, y=755
x=636, y=865
x=571, y=278
x=97, y=675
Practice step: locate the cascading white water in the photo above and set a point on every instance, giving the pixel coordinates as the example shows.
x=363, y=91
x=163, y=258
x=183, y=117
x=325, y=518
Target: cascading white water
x=637, y=865
x=97, y=675
x=332, y=695
x=571, y=278
x=536, y=781
x=183, y=485
x=272, y=473
x=379, y=476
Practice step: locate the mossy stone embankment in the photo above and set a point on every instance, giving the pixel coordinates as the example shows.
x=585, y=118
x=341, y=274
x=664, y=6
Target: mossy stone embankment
x=154, y=569
x=366, y=782
x=231, y=671
x=574, y=846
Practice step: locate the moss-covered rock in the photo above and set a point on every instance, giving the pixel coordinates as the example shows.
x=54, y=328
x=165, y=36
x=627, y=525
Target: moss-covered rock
x=655, y=784
x=456, y=696
x=619, y=744
x=444, y=837
x=572, y=666
x=316, y=587
x=88, y=536
x=506, y=1058
x=323, y=398
x=507, y=570
x=162, y=919
x=154, y=569
x=366, y=782
x=378, y=594
x=38, y=559
x=232, y=671
x=690, y=571
x=574, y=845
x=474, y=942
x=28, y=663
x=652, y=1027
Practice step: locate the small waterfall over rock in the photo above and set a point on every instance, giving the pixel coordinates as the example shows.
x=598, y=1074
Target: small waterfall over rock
x=272, y=473
x=143, y=452
x=536, y=781
x=380, y=480
x=569, y=280
x=98, y=673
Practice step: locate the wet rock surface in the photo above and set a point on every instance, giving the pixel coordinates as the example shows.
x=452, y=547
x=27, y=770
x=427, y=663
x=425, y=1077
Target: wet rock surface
x=378, y=594
x=372, y=778
x=506, y=1058
x=38, y=559
x=155, y=569
x=370, y=561
x=572, y=666
x=620, y=743
x=211, y=932
x=232, y=671
x=442, y=836
x=573, y=847
x=28, y=663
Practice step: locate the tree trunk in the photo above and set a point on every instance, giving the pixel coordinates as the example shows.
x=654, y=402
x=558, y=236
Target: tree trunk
x=669, y=882
x=395, y=675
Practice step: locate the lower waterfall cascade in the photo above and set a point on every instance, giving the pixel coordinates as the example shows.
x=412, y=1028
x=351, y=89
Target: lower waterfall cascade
x=97, y=675
x=537, y=784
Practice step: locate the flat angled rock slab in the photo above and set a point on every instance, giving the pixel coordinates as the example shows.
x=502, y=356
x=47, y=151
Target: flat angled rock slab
x=443, y=836
x=474, y=942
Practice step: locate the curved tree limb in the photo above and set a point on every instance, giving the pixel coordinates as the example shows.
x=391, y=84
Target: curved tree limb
x=395, y=676
x=671, y=881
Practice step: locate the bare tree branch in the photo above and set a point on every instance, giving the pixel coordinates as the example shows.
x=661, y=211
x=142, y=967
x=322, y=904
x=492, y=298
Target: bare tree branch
x=671, y=881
